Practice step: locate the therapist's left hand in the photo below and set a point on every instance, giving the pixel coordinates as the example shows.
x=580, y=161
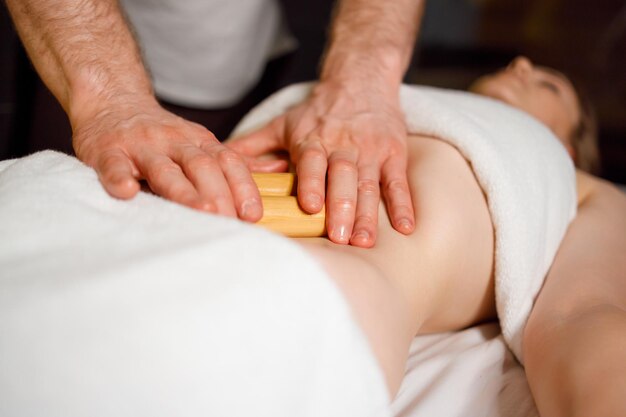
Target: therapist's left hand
x=355, y=138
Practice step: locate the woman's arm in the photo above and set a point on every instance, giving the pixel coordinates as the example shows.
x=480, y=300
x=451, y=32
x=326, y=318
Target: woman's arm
x=575, y=340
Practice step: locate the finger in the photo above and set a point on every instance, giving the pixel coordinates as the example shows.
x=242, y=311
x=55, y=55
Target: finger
x=342, y=197
x=311, y=164
x=368, y=198
x=259, y=142
x=274, y=165
x=205, y=173
x=397, y=194
x=117, y=174
x=244, y=190
x=167, y=179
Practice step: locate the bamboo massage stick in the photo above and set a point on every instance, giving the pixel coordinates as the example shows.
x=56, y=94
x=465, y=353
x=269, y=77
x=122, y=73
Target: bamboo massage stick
x=280, y=184
x=281, y=211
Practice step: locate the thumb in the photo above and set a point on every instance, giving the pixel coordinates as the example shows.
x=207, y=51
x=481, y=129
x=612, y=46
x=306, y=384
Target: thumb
x=264, y=165
x=260, y=141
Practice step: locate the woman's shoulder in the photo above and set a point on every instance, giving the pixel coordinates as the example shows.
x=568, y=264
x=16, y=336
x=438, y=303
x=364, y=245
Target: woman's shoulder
x=593, y=190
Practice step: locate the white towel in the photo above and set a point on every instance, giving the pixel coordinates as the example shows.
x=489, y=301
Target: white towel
x=147, y=308
x=521, y=166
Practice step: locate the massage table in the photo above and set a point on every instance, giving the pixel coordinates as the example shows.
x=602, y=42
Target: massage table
x=75, y=263
x=145, y=307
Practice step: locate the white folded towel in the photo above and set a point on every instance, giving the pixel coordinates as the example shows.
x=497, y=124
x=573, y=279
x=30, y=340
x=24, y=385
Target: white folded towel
x=521, y=166
x=147, y=308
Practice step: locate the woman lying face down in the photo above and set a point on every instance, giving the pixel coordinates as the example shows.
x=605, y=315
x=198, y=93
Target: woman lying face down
x=441, y=277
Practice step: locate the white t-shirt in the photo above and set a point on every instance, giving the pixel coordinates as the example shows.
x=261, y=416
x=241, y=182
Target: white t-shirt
x=207, y=53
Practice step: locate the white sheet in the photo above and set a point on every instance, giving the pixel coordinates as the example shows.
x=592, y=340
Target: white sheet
x=147, y=308
x=469, y=373
x=117, y=308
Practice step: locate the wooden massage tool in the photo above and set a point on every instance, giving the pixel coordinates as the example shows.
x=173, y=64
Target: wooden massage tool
x=281, y=211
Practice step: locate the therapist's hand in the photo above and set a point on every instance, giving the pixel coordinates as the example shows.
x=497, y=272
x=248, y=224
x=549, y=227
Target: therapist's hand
x=180, y=160
x=355, y=138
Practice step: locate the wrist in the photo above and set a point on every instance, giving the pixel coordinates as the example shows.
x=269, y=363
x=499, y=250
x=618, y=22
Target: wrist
x=356, y=97
x=92, y=94
x=378, y=68
x=357, y=77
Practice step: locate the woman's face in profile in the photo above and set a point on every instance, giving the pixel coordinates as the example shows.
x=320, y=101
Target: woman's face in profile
x=542, y=92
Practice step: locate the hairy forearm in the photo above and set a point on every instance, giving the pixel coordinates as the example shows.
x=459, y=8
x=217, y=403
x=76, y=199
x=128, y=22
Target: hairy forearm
x=372, y=41
x=83, y=51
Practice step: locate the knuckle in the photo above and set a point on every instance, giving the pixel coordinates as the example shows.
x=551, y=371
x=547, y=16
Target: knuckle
x=229, y=157
x=211, y=147
x=313, y=154
x=177, y=191
x=159, y=132
x=396, y=186
x=310, y=176
x=368, y=187
x=223, y=202
x=108, y=161
x=222, y=199
x=342, y=204
x=343, y=165
x=109, y=177
x=245, y=189
x=204, y=134
x=366, y=221
x=402, y=209
x=159, y=171
x=397, y=150
x=312, y=179
x=181, y=196
x=198, y=162
x=197, y=127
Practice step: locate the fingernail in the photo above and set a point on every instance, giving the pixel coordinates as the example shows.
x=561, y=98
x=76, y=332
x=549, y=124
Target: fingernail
x=362, y=235
x=341, y=234
x=250, y=208
x=314, y=200
x=405, y=225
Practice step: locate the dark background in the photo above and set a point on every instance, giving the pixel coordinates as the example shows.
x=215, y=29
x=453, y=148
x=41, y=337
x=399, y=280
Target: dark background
x=460, y=39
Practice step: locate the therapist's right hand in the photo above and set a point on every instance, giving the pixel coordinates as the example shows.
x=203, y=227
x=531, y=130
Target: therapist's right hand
x=180, y=160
